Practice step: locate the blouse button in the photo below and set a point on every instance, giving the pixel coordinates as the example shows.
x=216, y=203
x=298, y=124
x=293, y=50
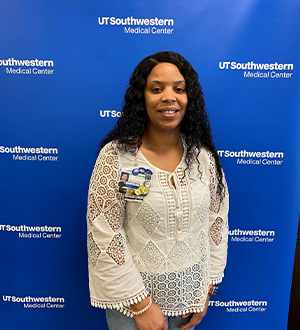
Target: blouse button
x=179, y=214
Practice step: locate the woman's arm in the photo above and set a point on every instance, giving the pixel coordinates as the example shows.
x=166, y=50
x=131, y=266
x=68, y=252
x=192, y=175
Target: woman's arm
x=218, y=225
x=218, y=234
x=113, y=278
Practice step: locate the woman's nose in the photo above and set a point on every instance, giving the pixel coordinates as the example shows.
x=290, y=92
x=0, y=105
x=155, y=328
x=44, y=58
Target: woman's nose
x=168, y=95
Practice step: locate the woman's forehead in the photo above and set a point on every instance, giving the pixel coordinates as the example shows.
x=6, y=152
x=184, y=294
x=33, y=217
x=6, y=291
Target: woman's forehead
x=165, y=71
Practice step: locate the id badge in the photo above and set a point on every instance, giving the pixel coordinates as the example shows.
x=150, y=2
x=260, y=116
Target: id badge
x=135, y=183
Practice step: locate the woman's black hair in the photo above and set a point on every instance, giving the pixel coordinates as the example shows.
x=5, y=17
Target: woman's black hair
x=195, y=126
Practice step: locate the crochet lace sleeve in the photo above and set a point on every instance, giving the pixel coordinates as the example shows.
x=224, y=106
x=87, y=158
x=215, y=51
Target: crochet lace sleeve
x=114, y=280
x=218, y=225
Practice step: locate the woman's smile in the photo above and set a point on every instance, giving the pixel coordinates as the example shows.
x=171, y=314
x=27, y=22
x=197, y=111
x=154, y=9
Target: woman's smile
x=169, y=112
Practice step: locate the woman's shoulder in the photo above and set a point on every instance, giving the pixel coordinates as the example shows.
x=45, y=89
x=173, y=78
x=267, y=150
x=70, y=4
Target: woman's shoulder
x=109, y=148
x=207, y=160
x=113, y=151
x=204, y=155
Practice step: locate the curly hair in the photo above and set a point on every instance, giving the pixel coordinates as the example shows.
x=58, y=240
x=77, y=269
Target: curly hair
x=195, y=126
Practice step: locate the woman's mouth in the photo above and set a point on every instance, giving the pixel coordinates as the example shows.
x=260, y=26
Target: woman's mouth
x=168, y=111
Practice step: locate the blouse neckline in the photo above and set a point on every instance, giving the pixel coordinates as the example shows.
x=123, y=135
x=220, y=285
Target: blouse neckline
x=161, y=170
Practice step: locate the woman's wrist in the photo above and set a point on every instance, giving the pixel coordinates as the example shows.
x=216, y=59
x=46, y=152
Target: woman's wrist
x=137, y=308
x=140, y=305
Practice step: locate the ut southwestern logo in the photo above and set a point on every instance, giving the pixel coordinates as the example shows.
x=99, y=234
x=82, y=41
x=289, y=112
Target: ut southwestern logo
x=36, y=302
x=134, y=25
x=244, y=306
x=245, y=157
x=110, y=113
x=40, y=154
x=250, y=236
x=27, y=67
x=26, y=231
x=260, y=70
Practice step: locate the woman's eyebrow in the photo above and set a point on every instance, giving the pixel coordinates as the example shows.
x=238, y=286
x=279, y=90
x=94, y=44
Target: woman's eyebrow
x=160, y=82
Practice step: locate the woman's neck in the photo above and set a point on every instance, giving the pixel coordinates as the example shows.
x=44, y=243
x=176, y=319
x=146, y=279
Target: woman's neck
x=163, y=150
x=161, y=142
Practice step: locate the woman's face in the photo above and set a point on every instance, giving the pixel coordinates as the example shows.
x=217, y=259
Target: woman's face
x=165, y=98
x=124, y=177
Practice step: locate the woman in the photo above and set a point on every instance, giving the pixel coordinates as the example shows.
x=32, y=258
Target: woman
x=158, y=243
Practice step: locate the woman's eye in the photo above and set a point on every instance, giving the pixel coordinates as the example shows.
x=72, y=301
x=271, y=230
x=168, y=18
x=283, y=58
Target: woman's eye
x=180, y=90
x=156, y=89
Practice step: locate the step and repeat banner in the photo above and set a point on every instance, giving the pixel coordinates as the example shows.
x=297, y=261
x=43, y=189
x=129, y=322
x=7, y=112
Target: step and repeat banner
x=64, y=67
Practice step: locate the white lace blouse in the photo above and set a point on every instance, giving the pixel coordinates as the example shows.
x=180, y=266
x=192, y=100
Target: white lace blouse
x=170, y=247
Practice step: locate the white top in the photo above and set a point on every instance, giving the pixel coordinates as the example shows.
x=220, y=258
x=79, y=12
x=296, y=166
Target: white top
x=170, y=247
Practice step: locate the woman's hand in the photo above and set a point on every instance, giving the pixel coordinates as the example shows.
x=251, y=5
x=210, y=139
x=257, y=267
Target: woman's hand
x=196, y=318
x=152, y=319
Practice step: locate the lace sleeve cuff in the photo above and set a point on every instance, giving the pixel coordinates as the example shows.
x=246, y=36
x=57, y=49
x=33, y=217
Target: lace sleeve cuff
x=121, y=305
x=216, y=279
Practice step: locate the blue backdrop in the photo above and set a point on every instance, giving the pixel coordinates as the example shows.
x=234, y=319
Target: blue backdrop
x=64, y=67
